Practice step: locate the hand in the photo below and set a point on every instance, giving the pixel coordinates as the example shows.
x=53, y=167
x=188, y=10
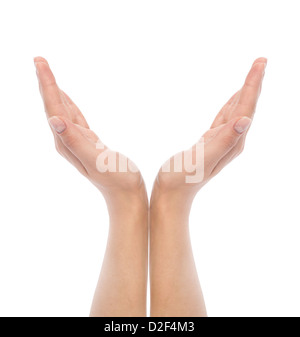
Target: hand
x=184, y=174
x=112, y=173
x=124, y=191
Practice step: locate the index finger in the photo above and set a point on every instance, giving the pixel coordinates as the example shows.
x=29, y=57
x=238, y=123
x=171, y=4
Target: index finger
x=251, y=89
x=50, y=92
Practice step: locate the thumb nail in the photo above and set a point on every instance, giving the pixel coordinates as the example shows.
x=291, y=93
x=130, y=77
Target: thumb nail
x=57, y=124
x=242, y=125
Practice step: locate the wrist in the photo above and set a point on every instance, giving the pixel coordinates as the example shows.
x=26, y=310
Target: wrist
x=127, y=206
x=171, y=203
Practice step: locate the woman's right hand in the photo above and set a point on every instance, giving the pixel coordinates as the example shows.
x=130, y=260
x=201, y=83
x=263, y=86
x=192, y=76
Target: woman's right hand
x=181, y=177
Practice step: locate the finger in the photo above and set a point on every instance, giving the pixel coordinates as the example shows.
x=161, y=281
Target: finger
x=49, y=90
x=225, y=140
x=232, y=154
x=67, y=154
x=75, y=141
x=221, y=117
x=223, y=162
x=211, y=133
x=231, y=108
x=77, y=116
x=251, y=89
x=88, y=133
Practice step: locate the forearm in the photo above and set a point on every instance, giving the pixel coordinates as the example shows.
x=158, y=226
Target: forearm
x=122, y=285
x=175, y=288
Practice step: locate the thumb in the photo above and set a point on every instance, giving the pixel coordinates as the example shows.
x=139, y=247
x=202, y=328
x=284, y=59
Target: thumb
x=226, y=139
x=74, y=140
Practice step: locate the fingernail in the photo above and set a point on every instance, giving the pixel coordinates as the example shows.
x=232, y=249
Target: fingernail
x=35, y=61
x=242, y=125
x=57, y=124
x=266, y=64
x=36, y=71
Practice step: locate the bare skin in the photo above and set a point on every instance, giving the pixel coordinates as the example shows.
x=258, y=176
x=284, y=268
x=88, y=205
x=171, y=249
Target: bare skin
x=122, y=285
x=175, y=287
x=174, y=283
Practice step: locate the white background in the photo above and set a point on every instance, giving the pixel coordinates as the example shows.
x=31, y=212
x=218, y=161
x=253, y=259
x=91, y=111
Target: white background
x=149, y=76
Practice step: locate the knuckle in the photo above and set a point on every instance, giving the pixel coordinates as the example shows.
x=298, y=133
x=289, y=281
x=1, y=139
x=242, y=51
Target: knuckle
x=240, y=148
x=92, y=136
x=229, y=140
x=70, y=140
x=209, y=165
x=95, y=137
x=58, y=147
